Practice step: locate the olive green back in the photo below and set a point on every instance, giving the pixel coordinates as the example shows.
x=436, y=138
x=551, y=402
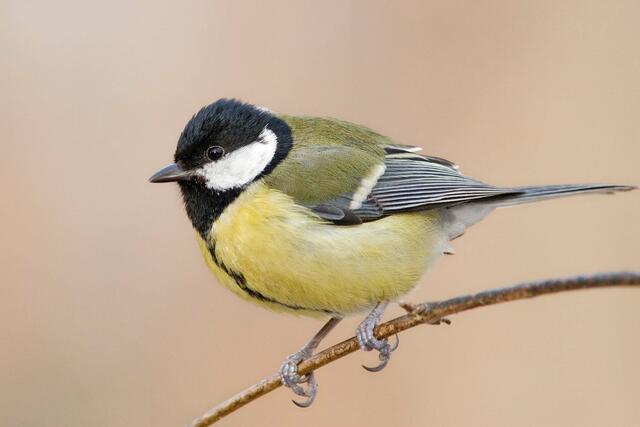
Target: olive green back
x=329, y=158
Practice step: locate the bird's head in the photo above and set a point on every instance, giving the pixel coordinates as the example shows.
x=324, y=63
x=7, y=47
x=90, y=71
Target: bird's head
x=226, y=146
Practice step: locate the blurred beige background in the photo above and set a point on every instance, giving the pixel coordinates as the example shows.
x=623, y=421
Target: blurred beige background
x=110, y=318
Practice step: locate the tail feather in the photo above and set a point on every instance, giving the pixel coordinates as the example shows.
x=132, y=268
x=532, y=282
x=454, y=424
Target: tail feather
x=543, y=192
x=458, y=218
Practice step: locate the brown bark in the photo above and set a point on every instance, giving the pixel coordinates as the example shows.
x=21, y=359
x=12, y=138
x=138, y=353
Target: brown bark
x=426, y=313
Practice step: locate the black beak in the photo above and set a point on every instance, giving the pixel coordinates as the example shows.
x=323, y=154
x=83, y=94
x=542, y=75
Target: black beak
x=171, y=173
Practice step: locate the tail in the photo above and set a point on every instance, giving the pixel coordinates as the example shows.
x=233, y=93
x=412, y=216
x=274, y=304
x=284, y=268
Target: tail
x=457, y=218
x=544, y=192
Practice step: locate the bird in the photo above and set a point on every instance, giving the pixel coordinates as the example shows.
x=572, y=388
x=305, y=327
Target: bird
x=325, y=218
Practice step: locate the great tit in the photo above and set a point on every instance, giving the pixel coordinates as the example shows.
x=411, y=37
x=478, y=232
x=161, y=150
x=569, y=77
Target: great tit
x=322, y=217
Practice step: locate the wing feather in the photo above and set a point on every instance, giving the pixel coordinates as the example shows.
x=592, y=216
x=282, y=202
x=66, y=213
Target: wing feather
x=346, y=173
x=415, y=182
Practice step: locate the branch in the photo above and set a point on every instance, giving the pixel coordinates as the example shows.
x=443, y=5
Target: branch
x=426, y=313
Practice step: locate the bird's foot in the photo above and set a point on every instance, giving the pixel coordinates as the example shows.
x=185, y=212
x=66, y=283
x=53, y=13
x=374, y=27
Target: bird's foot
x=289, y=369
x=290, y=378
x=368, y=341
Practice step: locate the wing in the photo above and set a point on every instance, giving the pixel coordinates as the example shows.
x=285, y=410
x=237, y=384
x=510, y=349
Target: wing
x=358, y=175
x=414, y=182
x=327, y=166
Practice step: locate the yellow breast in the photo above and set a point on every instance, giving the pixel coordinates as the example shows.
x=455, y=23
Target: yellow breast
x=269, y=250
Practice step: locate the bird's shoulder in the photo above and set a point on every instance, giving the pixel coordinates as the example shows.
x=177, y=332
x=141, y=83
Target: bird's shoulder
x=328, y=158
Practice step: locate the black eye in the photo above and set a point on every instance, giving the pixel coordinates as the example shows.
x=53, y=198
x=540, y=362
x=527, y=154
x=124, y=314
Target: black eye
x=215, y=152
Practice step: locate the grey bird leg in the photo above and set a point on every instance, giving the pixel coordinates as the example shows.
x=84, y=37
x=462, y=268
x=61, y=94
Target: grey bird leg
x=289, y=369
x=368, y=341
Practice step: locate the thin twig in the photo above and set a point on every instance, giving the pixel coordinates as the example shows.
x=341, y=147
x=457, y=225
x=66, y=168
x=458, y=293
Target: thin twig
x=426, y=313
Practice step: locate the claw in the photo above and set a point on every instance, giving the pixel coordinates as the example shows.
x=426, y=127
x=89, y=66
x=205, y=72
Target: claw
x=395, y=345
x=304, y=403
x=384, y=355
x=290, y=377
x=311, y=393
x=289, y=369
x=378, y=367
x=368, y=341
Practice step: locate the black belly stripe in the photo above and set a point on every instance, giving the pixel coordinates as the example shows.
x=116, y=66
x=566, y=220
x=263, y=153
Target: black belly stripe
x=241, y=281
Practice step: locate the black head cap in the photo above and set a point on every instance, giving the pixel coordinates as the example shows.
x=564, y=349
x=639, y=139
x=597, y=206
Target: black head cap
x=230, y=124
x=227, y=124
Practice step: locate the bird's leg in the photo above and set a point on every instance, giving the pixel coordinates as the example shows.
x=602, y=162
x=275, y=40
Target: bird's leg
x=289, y=369
x=368, y=341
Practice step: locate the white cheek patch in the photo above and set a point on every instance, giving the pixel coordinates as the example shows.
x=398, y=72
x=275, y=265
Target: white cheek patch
x=241, y=166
